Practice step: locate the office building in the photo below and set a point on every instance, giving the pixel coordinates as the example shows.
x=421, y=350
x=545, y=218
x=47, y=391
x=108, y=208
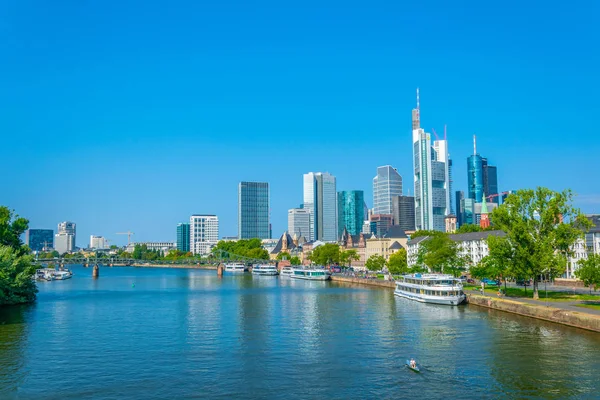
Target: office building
x=403, y=211
x=39, y=239
x=204, y=233
x=97, y=242
x=467, y=207
x=183, y=237
x=253, y=210
x=431, y=178
x=299, y=222
x=164, y=247
x=386, y=184
x=320, y=199
x=350, y=211
x=451, y=206
x=65, y=238
x=475, y=174
x=459, y=196
x=490, y=181
x=380, y=224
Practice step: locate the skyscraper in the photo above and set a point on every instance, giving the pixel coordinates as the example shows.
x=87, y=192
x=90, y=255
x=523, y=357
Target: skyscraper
x=380, y=224
x=403, y=210
x=350, y=211
x=459, y=210
x=183, y=237
x=253, y=210
x=299, y=222
x=320, y=199
x=204, y=233
x=386, y=184
x=64, y=240
x=431, y=177
x=490, y=180
x=39, y=239
x=97, y=242
x=451, y=206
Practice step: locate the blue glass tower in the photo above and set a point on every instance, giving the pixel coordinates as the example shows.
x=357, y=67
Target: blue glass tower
x=350, y=211
x=183, y=237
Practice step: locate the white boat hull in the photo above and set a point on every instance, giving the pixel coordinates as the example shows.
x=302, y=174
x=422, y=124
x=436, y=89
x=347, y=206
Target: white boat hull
x=234, y=271
x=311, y=278
x=265, y=273
x=444, y=300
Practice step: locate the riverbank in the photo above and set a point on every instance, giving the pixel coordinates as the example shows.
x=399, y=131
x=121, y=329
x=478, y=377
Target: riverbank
x=189, y=266
x=362, y=281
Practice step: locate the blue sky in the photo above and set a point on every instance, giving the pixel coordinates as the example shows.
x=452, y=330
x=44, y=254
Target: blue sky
x=133, y=115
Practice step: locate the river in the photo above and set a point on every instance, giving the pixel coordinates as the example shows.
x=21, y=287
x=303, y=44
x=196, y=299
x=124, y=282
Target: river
x=158, y=333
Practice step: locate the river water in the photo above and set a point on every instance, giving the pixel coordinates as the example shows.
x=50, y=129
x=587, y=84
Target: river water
x=159, y=333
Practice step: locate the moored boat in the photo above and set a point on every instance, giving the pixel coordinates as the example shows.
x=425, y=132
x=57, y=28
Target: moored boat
x=287, y=271
x=235, y=268
x=264, y=270
x=415, y=368
x=319, y=274
x=431, y=288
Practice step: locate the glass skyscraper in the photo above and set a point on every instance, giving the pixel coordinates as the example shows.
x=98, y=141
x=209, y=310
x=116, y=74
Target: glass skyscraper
x=320, y=199
x=403, y=208
x=490, y=181
x=460, y=195
x=39, y=239
x=386, y=185
x=475, y=177
x=183, y=237
x=350, y=211
x=253, y=210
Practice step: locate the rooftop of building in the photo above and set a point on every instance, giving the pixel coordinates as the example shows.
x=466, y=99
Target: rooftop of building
x=395, y=246
x=595, y=219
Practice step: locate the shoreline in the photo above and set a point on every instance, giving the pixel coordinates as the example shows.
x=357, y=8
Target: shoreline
x=576, y=319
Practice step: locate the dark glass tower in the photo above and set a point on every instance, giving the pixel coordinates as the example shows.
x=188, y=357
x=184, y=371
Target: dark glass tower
x=39, y=239
x=253, y=210
x=183, y=237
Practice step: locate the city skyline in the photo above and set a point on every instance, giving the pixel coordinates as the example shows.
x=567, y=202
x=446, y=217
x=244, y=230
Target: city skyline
x=130, y=117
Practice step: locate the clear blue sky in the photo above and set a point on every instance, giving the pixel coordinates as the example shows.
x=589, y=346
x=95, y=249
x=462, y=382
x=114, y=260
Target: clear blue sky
x=133, y=115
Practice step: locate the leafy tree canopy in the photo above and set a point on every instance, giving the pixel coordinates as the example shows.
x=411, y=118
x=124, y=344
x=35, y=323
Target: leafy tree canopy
x=250, y=248
x=589, y=271
x=541, y=226
x=397, y=264
x=328, y=253
x=375, y=263
x=422, y=232
x=282, y=255
x=295, y=260
x=468, y=228
x=347, y=256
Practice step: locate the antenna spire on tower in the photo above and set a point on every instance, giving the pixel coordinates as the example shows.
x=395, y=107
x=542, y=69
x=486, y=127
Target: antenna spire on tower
x=418, y=108
x=474, y=145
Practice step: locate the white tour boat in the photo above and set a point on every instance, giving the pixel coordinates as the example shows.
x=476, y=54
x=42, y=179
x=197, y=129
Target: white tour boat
x=431, y=288
x=235, y=268
x=61, y=275
x=311, y=274
x=264, y=270
x=287, y=271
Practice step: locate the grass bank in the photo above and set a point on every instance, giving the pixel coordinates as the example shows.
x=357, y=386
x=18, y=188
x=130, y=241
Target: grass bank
x=528, y=294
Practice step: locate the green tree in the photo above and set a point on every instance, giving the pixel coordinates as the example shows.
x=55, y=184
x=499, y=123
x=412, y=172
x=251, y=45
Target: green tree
x=375, y=263
x=347, y=256
x=295, y=260
x=397, y=264
x=421, y=233
x=541, y=226
x=589, y=271
x=468, y=228
x=283, y=255
x=328, y=253
x=16, y=265
x=137, y=252
x=497, y=263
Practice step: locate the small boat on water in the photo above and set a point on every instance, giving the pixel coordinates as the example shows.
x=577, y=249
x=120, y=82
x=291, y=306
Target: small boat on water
x=415, y=368
x=61, y=275
x=270, y=270
x=431, y=288
x=51, y=274
x=43, y=275
x=235, y=268
x=319, y=274
x=287, y=271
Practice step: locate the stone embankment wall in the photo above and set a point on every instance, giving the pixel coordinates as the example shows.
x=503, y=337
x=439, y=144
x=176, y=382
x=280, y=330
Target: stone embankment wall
x=362, y=281
x=572, y=318
x=569, y=282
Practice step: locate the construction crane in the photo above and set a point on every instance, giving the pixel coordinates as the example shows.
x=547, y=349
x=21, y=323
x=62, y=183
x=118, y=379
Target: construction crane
x=128, y=233
x=496, y=195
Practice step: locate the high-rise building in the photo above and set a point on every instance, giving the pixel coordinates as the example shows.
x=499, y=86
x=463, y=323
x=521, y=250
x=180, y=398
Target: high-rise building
x=380, y=224
x=431, y=178
x=403, y=210
x=351, y=211
x=490, y=180
x=386, y=184
x=468, y=211
x=65, y=238
x=253, y=210
x=39, y=239
x=451, y=206
x=97, y=242
x=183, y=237
x=320, y=199
x=460, y=195
x=299, y=222
x=204, y=233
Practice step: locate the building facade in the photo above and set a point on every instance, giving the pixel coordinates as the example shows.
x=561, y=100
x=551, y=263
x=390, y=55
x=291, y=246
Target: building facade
x=589, y=244
x=350, y=211
x=39, y=239
x=165, y=247
x=386, y=185
x=386, y=245
x=65, y=238
x=97, y=242
x=490, y=181
x=204, y=233
x=467, y=216
x=299, y=222
x=459, y=196
x=381, y=223
x=253, y=210
x=183, y=237
x=320, y=199
x=403, y=211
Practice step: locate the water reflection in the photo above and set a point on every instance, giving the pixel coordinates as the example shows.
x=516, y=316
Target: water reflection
x=13, y=343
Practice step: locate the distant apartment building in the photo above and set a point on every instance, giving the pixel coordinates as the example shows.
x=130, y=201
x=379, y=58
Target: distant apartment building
x=39, y=239
x=403, y=211
x=97, y=242
x=253, y=210
x=65, y=238
x=589, y=244
x=183, y=237
x=350, y=211
x=386, y=185
x=320, y=200
x=299, y=222
x=386, y=245
x=165, y=247
x=204, y=233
